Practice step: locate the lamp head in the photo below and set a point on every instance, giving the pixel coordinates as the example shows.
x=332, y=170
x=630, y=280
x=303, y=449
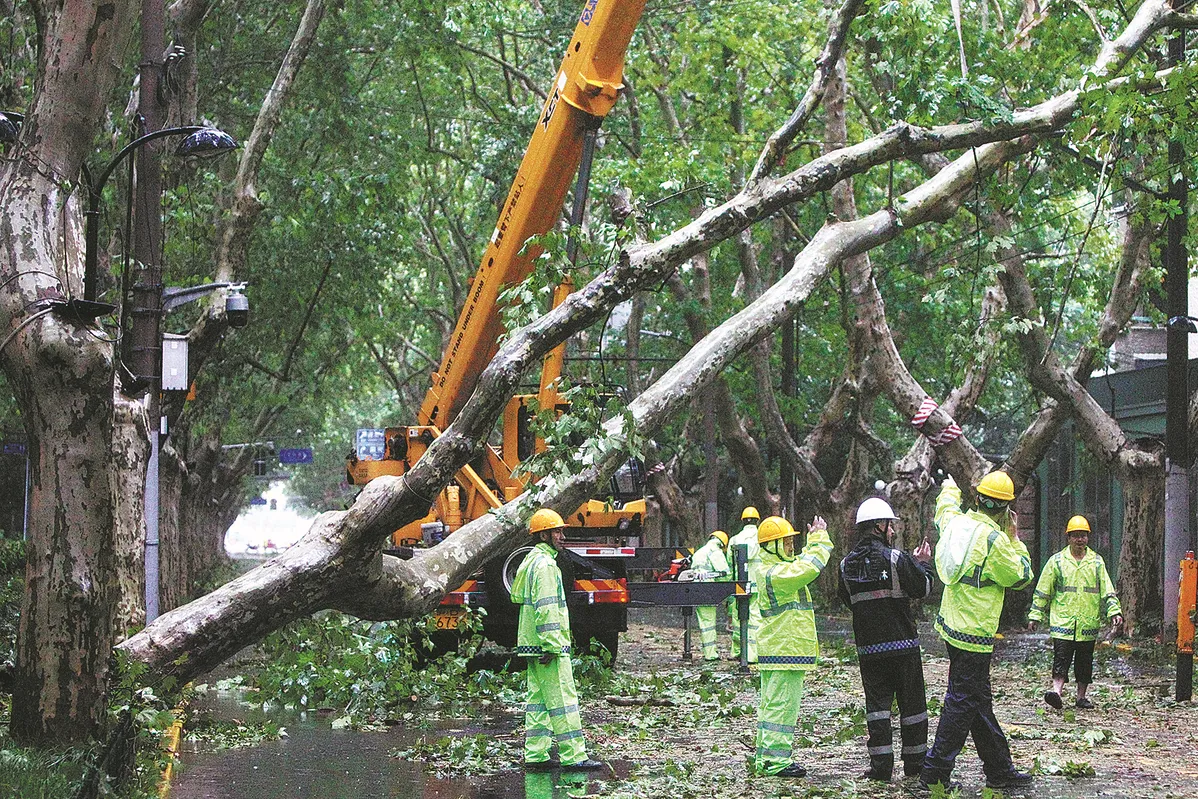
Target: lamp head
x=10, y=126
x=206, y=143
x=237, y=306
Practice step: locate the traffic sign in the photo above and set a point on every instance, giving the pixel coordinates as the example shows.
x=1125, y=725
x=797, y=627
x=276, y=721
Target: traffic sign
x=258, y=501
x=14, y=448
x=296, y=455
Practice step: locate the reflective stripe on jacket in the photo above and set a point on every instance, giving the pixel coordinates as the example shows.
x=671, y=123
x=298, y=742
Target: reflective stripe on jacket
x=711, y=558
x=544, y=620
x=786, y=640
x=1078, y=594
x=995, y=561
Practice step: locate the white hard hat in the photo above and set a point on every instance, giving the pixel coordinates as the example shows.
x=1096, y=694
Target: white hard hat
x=875, y=509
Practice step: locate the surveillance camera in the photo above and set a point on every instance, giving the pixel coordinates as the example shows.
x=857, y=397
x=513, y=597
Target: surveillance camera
x=237, y=309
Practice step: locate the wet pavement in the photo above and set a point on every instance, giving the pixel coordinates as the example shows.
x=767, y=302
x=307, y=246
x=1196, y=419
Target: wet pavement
x=315, y=761
x=320, y=763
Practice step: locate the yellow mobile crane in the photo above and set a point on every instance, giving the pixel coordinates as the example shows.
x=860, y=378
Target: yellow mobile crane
x=604, y=533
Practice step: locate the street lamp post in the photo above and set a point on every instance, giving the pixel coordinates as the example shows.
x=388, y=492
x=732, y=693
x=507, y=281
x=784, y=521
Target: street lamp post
x=152, y=302
x=237, y=311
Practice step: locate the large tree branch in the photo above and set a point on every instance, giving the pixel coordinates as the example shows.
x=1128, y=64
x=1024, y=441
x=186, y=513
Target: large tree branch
x=742, y=449
x=1101, y=433
x=338, y=563
x=775, y=147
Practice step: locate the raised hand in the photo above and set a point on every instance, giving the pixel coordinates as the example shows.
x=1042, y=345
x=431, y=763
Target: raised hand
x=923, y=552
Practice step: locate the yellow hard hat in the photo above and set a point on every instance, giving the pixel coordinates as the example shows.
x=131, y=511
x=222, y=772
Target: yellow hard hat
x=749, y=513
x=545, y=519
x=721, y=535
x=997, y=485
x=773, y=528
x=1077, y=523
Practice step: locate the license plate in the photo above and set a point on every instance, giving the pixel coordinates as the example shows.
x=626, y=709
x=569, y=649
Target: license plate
x=448, y=619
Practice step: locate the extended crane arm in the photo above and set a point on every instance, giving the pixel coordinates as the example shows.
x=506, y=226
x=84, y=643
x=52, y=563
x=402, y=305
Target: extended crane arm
x=584, y=91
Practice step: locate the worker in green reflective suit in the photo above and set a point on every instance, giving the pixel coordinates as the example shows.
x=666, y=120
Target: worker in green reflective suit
x=786, y=640
x=543, y=638
x=710, y=564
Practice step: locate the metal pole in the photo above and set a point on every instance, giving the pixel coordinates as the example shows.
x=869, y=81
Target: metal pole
x=686, y=633
x=152, y=515
x=147, y=290
x=1177, y=443
x=711, y=479
x=786, y=474
x=742, y=603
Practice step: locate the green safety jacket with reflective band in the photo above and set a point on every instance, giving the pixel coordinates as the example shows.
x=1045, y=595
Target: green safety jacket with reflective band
x=747, y=537
x=544, y=620
x=786, y=640
x=974, y=592
x=710, y=558
x=1079, y=595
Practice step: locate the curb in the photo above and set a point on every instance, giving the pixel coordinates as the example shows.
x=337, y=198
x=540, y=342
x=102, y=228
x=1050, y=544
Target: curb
x=170, y=740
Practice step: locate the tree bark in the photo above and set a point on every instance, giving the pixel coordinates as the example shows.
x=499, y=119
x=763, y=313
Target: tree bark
x=1139, y=581
x=130, y=449
x=61, y=374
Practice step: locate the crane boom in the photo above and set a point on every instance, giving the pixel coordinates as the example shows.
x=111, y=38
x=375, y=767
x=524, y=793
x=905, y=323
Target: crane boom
x=584, y=91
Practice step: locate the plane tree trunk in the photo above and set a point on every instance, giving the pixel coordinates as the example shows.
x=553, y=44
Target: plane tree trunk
x=61, y=374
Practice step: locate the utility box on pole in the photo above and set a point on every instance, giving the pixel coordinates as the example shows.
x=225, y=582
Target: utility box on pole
x=174, y=363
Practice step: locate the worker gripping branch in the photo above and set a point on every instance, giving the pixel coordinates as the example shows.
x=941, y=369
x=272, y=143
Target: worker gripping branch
x=710, y=562
x=1076, y=589
x=878, y=583
x=747, y=538
x=978, y=557
x=543, y=638
x=786, y=643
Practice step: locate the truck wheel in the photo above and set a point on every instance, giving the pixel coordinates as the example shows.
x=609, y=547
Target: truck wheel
x=499, y=574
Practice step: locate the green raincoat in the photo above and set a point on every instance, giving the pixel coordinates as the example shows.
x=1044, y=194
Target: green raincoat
x=551, y=711
x=747, y=538
x=977, y=561
x=786, y=644
x=1078, y=595
x=711, y=559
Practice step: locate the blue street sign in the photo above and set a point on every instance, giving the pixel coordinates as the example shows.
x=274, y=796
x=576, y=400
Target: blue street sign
x=257, y=501
x=297, y=455
x=14, y=448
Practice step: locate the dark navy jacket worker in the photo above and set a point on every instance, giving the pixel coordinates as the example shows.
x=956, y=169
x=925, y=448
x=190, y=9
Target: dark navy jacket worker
x=878, y=582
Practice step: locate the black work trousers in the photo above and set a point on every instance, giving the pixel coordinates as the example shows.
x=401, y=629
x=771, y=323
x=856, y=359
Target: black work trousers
x=885, y=680
x=968, y=710
x=1078, y=653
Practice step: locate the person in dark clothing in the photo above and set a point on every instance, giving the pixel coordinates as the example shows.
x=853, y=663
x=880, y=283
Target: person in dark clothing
x=878, y=582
